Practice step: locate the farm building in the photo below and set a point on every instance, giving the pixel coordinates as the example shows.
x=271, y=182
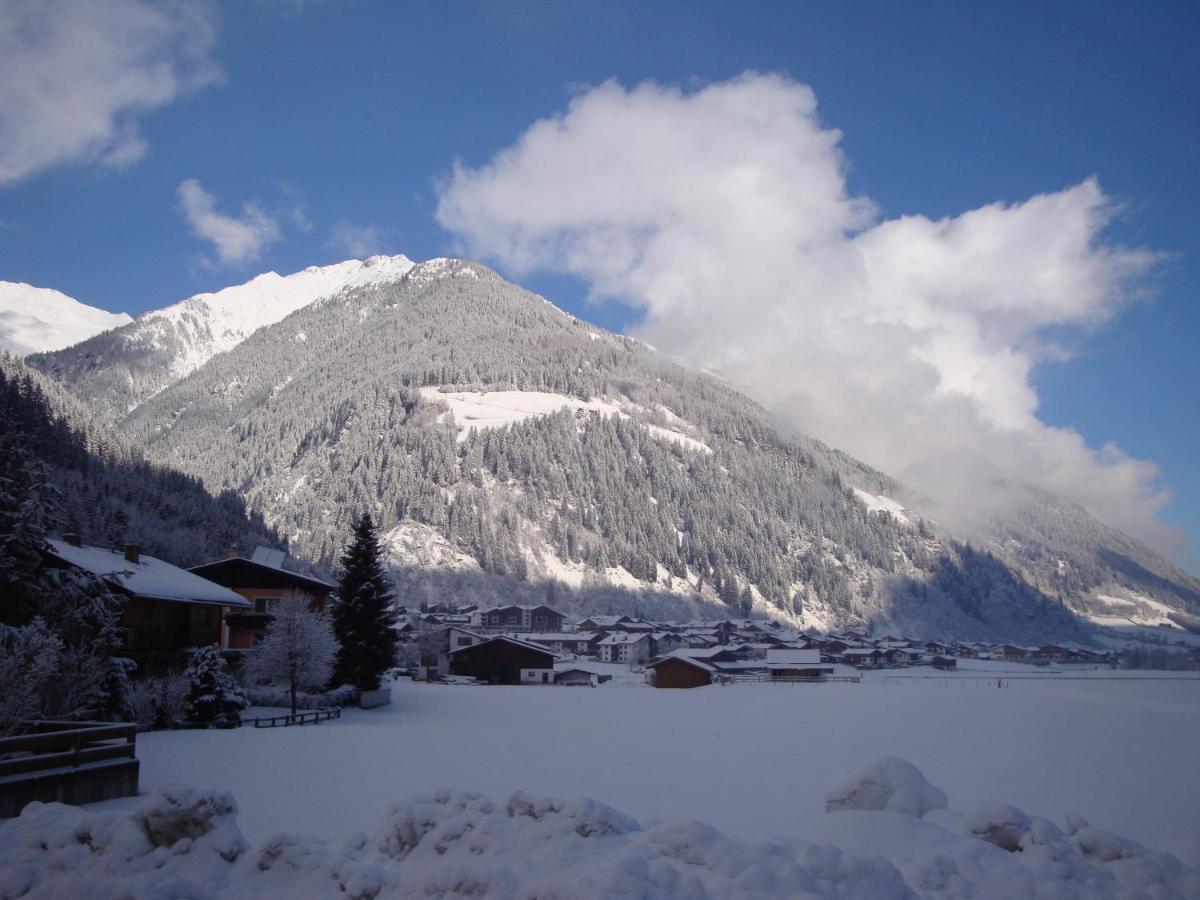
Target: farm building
x=504, y=660
x=797, y=664
x=577, y=677
x=675, y=671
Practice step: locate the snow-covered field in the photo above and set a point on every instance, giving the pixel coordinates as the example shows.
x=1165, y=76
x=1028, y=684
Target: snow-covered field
x=753, y=760
x=627, y=791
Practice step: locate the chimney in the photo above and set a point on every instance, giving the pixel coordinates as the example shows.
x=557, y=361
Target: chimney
x=73, y=539
x=131, y=553
x=232, y=553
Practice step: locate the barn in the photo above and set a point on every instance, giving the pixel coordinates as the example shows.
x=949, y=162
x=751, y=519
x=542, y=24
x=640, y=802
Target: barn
x=504, y=660
x=789, y=663
x=678, y=671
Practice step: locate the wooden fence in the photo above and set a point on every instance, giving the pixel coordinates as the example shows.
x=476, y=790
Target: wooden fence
x=760, y=678
x=304, y=717
x=71, y=762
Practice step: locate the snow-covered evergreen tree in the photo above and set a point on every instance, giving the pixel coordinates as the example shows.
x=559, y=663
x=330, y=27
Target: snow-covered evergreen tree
x=213, y=695
x=299, y=647
x=363, y=616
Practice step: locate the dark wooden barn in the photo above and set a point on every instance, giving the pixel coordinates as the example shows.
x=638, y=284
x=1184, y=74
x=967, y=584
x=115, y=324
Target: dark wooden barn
x=504, y=660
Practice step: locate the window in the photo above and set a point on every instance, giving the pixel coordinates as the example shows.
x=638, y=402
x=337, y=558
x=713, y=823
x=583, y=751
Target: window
x=260, y=604
x=206, y=615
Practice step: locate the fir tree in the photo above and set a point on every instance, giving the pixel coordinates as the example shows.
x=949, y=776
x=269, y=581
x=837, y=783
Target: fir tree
x=363, y=617
x=213, y=695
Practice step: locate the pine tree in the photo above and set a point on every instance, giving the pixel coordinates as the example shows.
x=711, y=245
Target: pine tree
x=363, y=617
x=213, y=695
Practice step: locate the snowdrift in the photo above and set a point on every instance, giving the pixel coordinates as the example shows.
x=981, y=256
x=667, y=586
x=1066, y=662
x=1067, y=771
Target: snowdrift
x=888, y=833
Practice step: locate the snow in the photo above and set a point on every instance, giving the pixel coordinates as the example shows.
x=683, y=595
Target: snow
x=496, y=409
x=416, y=545
x=1119, y=612
x=754, y=760
x=148, y=577
x=36, y=320
x=880, y=503
x=185, y=841
x=217, y=322
x=892, y=784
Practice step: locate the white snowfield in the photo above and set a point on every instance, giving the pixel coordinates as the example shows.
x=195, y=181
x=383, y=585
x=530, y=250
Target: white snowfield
x=217, y=322
x=880, y=503
x=888, y=835
x=1117, y=612
x=496, y=409
x=36, y=320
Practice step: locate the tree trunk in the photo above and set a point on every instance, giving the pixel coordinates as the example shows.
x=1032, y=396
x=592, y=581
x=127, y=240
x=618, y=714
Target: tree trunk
x=293, y=688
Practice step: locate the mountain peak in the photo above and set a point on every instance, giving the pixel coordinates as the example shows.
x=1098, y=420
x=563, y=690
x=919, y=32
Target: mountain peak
x=36, y=320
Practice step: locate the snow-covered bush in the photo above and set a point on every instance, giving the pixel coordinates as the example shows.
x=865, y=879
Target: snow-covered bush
x=158, y=701
x=184, y=842
x=29, y=658
x=892, y=784
x=270, y=695
x=213, y=695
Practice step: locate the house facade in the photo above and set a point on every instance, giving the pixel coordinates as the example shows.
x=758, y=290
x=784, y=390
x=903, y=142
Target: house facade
x=516, y=617
x=504, y=660
x=262, y=580
x=166, y=608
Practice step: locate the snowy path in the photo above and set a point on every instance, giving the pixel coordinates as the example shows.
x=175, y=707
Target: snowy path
x=753, y=760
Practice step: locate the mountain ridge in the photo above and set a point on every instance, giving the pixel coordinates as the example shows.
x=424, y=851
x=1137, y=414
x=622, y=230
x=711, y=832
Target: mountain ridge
x=37, y=320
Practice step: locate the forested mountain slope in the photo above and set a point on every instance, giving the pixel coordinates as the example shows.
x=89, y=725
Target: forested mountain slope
x=104, y=489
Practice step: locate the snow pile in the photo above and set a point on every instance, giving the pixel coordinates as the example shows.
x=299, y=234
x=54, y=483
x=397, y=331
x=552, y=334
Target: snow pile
x=36, y=320
x=893, y=785
x=185, y=842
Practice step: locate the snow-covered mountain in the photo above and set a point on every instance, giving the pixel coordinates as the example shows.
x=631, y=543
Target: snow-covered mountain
x=35, y=320
x=512, y=452
x=121, y=368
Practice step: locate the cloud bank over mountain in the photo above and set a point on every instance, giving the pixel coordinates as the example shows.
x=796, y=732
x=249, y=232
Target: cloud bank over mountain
x=725, y=216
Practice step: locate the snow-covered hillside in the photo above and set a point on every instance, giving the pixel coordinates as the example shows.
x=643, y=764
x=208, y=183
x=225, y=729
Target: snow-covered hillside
x=118, y=370
x=216, y=322
x=35, y=320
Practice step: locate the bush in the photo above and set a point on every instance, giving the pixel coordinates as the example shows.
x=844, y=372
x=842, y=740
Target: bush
x=159, y=701
x=280, y=696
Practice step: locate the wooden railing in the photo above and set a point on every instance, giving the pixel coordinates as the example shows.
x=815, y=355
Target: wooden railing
x=65, y=745
x=305, y=717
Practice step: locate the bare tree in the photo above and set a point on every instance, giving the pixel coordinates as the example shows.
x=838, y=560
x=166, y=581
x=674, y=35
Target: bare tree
x=299, y=647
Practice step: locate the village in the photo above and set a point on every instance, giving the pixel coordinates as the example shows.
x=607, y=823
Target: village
x=228, y=603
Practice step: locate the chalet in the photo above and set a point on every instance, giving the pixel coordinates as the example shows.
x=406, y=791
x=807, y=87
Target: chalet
x=865, y=657
x=564, y=643
x=797, y=664
x=603, y=623
x=665, y=642
x=625, y=647
x=435, y=658
x=504, y=660
x=1009, y=652
x=515, y=617
x=944, y=662
x=264, y=580
x=166, y=607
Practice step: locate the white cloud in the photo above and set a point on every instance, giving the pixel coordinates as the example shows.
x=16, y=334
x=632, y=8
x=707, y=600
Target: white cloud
x=909, y=342
x=77, y=75
x=356, y=241
x=235, y=239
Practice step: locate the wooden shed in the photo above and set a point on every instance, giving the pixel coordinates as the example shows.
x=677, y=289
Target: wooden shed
x=681, y=672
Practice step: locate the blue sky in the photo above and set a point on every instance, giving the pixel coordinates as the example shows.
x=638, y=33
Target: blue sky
x=350, y=111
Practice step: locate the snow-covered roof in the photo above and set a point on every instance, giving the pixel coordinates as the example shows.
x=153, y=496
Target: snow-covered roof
x=503, y=637
x=266, y=558
x=678, y=655
x=625, y=638
x=148, y=577
x=793, y=657
x=546, y=636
